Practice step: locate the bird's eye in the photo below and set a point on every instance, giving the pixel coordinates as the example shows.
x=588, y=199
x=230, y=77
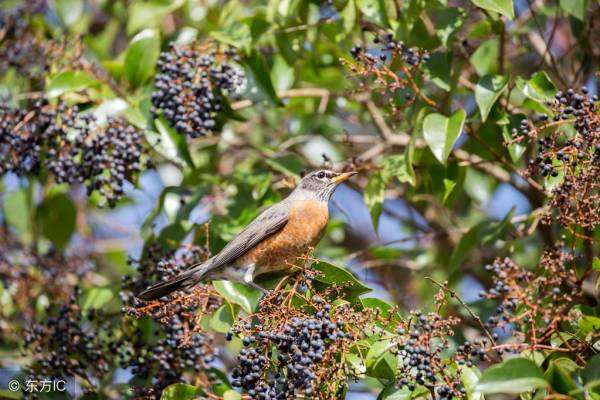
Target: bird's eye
x=321, y=175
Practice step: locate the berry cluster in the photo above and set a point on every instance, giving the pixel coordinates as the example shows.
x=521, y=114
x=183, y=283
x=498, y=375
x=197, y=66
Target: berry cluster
x=42, y=138
x=191, y=86
x=569, y=151
x=306, y=348
x=68, y=345
x=26, y=275
x=420, y=342
x=533, y=305
x=181, y=346
x=19, y=47
x=292, y=350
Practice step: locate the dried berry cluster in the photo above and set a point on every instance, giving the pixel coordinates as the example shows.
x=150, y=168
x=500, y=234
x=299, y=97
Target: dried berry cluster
x=569, y=151
x=68, y=345
x=182, y=346
x=534, y=305
x=191, y=86
x=291, y=351
x=19, y=47
x=72, y=146
x=393, y=65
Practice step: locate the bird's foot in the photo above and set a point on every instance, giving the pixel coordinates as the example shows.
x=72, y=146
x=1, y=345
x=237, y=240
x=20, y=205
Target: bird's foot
x=259, y=288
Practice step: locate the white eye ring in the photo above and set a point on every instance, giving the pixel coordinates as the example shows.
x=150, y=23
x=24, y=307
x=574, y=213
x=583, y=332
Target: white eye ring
x=321, y=175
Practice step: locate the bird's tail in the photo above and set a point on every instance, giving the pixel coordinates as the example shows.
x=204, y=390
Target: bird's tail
x=183, y=280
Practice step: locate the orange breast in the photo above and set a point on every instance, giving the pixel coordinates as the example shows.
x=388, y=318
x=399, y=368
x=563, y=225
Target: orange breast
x=303, y=230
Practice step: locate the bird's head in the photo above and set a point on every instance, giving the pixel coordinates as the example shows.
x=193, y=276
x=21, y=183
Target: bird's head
x=321, y=184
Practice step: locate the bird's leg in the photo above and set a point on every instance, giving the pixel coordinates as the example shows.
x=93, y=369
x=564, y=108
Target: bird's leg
x=258, y=287
x=249, y=280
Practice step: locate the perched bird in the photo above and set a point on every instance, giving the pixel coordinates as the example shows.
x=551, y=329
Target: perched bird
x=271, y=242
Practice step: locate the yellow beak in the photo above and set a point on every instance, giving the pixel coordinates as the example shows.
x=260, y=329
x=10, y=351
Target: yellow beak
x=343, y=177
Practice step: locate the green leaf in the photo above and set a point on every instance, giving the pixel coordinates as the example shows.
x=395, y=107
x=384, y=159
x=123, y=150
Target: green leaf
x=57, y=216
x=232, y=395
x=289, y=164
x=68, y=81
x=240, y=294
x=180, y=391
x=381, y=363
x=488, y=90
x=374, y=195
x=485, y=58
x=10, y=394
x=376, y=303
x=517, y=375
x=259, y=86
x=483, y=232
x=504, y=7
x=141, y=56
x=515, y=150
x=596, y=264
x=69, y=11
x=171, y=144
x=559, y=374
x=375, y=10
x=591, y=374
x=348, y=15
x=447, y=22
x=469, y=377
x=149, y=14
x=391, y=392
x=96, y=298
x=437, y=67
x=539, y=87
x=441, y=133
x=576, y=8
x=235, y=34
x=332, y=274
x=17, y=211
x=589, y=324
x=222, y=319
x=282, y=74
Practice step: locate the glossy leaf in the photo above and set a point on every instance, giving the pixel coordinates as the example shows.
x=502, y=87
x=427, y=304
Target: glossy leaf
x=222, y=319
x=488, y=90
x=240, y=294
x=516, y=375
x=69, y=81
x=17, y=210
x=170, y=143
x=485, y=58
x=180, y=391
x=69, y=11
x=441, y=133
x=332, y=274
x=141, y=56
x=576, y=8
x=260, y=87
x=96, y=298
x=539, y=87
x=447, y=22
x=57, y=217
x=504, y=7
x=381, y=363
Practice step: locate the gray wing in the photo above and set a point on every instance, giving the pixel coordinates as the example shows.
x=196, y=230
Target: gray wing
x=267, y=223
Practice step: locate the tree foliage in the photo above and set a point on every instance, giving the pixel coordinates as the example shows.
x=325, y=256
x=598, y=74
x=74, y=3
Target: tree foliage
x=138, y=137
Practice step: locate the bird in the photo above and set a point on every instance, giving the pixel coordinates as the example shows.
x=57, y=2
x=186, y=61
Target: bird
x=276, y=238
